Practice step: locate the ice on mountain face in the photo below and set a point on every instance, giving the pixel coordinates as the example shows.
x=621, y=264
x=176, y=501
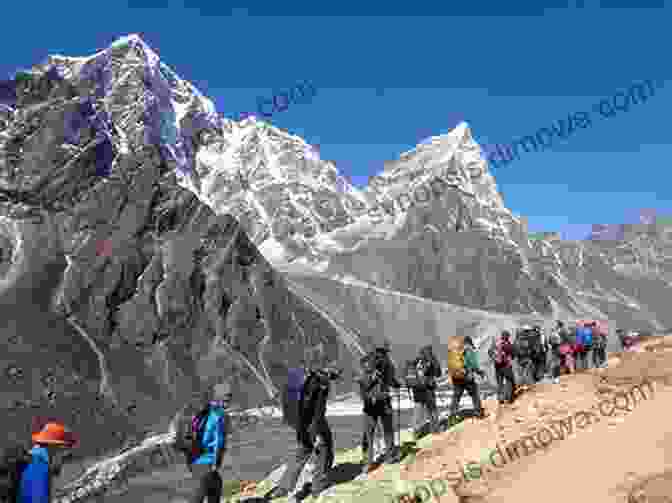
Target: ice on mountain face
x=98, y=70
x=8, y=92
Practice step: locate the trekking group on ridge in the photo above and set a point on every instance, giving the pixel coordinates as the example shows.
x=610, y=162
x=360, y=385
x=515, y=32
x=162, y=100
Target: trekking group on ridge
x=25, y=476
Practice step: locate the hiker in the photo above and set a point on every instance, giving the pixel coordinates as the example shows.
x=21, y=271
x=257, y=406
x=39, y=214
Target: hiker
x=528, y=350
x=313, y=436
x=462, y=368
x=501, y=354
x=421, y=378
x=584, y=344
x=567, y=349
x=383, y=353
x=555, y=341
x=31, y=478
x=377, y=378
x=600, y=350
x=539, y=354
x=626, y=339
x=202, y=438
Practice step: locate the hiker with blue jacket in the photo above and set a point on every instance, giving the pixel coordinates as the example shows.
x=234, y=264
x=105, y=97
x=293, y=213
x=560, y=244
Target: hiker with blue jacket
x=202, y=438
x=52, y=447
x=584, y=345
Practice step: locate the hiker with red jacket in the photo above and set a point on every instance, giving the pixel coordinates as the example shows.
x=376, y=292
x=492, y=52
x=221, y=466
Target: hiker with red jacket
x=501, y=354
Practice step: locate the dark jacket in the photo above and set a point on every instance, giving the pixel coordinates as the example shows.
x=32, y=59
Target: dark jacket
x=433, y=371
x=312, y=407
x=385, y=376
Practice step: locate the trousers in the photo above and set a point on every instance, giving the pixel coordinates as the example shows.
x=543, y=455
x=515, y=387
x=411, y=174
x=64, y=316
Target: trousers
x=209, y=484
x=425, y=412
x=371, y=417
x=324, y=459
x=503, y=375
x=459, y=387
x=599, y=355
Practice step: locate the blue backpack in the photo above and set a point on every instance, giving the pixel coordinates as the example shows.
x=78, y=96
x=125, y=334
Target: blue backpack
x=586, y=336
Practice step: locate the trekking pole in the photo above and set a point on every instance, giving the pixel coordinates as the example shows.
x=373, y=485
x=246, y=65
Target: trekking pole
x=399, y=419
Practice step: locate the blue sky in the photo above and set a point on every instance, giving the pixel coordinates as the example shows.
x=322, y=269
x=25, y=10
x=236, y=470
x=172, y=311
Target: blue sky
x=506, y=68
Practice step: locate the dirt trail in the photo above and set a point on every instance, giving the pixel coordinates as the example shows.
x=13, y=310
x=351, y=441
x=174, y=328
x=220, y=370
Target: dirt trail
x=603, y=460
x=598, y=465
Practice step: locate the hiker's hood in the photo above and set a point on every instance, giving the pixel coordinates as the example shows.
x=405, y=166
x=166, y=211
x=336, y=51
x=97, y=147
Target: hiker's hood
x=41, y=453
x=218, y=411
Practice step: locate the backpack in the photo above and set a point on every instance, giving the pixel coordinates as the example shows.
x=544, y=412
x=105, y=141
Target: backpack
x=13, y=461
x=585, y=337
x=376, y=391
x=528, y=344
x=416, y=371
x=293, y=392
x=456, y=368
x=190, y=434
x=555, y=339
x=523, y=346
x=497, y=353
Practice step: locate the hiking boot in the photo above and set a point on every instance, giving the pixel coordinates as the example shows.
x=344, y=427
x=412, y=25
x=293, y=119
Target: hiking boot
x=368, y=468
x=393, y=455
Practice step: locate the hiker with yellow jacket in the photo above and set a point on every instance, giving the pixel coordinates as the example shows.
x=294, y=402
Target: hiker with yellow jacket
x=463, y=367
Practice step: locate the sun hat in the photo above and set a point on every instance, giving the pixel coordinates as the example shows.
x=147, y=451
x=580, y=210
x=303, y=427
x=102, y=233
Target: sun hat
x=54, y=434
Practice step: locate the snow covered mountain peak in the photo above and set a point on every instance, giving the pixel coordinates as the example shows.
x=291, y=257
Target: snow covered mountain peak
x=294, y=205
x=300, y=208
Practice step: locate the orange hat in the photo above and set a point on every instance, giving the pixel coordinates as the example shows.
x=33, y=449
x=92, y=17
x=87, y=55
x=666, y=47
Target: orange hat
x=54, y=433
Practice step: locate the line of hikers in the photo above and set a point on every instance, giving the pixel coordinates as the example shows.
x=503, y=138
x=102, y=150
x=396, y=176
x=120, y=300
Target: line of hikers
x=566, y=349
x=25, y=476
x=304, y=408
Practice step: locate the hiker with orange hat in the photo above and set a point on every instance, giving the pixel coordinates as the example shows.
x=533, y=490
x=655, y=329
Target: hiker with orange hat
x=51, y=448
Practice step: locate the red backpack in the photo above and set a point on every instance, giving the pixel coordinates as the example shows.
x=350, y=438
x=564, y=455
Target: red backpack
x=190, y=434
x=499, y=354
